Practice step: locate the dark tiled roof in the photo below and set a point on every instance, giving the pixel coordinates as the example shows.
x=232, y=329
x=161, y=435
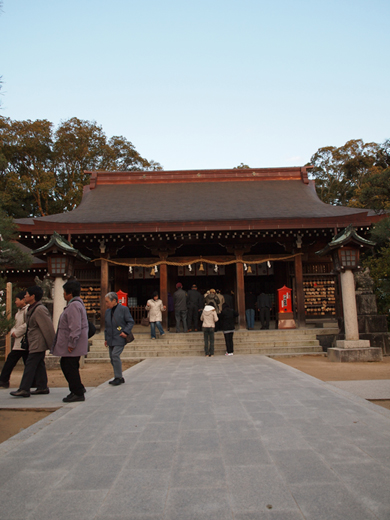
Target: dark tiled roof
x=202, y=201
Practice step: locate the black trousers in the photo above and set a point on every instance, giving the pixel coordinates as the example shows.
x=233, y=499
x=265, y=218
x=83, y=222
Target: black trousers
x=192, y=317
x=12, y=358
x=229, y=342
x=264, y=317
x=70, y=367
x=35, y=369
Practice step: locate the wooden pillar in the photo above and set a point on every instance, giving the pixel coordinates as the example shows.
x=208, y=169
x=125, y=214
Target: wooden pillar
x=103, y=288
x=300, y=295
x=164, y=292
x=240, y=294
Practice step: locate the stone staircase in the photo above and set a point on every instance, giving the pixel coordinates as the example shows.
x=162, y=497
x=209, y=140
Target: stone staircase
x=267, y=342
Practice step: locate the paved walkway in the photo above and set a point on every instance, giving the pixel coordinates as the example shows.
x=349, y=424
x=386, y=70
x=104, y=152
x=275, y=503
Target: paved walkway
x=241, y=437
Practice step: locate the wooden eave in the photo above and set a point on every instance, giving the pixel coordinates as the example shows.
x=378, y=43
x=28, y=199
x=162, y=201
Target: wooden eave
x=42, y=227
x=101, y=177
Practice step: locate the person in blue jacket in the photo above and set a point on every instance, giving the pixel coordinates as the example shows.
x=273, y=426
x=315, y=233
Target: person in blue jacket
x=118, y=323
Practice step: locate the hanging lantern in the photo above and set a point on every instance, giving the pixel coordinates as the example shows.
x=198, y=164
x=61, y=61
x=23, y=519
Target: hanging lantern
x=201, y=268
x=249, y=269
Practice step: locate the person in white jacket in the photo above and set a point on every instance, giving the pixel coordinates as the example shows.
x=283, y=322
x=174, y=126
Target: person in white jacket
x=209, y=317
x=155, y=307
x=17, y=333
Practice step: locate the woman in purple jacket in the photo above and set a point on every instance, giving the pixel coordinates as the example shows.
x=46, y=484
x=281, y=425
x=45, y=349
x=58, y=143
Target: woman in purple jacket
x=71, y=340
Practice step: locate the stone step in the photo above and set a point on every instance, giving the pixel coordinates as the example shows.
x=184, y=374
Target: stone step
x=142, y=354
x=267, y=342
x=159, y=345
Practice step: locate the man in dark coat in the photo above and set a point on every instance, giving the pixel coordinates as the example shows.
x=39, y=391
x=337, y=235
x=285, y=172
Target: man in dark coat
x=194, y=306
x=264, y=305
x=118, y=323
x=40, y=335
x=180, y=301
x=250, y=303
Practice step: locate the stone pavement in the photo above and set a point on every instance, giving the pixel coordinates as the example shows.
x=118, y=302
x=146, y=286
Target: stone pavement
x=241, y=438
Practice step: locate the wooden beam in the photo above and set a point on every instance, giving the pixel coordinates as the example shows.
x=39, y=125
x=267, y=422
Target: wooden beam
x=240, y=295
x=299, y=291
x=103, y=289
x=164, y=293
x=8, y=312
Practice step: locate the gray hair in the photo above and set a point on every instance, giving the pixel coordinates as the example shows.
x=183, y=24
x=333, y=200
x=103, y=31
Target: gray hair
x=112, y=296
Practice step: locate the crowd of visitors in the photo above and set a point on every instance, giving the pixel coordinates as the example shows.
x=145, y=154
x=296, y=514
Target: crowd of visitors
x=33, y=332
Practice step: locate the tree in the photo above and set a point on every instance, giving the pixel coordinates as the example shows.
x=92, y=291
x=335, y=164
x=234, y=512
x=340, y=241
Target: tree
x=374, y=192
x=42, y=169
x=10, y=254
x=27, y=180
x=341, y=172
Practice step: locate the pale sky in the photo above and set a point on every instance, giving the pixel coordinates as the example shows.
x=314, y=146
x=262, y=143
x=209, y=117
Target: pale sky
x=206, y=84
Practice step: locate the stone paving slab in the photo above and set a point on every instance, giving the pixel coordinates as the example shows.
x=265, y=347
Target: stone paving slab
x=51, y=401
x=379, y=389
x=241, y=438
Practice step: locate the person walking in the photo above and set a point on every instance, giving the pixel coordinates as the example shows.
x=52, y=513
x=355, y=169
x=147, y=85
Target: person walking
x=71, y=340
x=228, y=325
x=155, y=307
x=17, y=332
x=209, y=318
x=180, y=302
x=40, y=337
x=118, y=323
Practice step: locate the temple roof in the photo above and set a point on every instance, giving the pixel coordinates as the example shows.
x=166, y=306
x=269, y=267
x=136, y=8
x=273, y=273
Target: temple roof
x=204, y=196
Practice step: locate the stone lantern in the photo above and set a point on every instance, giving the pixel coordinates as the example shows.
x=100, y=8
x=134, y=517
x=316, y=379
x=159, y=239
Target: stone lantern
x=61, y=257
x=345, y=250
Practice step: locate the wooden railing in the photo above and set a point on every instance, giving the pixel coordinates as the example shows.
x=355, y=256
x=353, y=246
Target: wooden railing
x=138, y=313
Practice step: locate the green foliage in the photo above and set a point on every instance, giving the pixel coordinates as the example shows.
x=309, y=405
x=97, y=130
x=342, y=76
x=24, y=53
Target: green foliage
x=374, y=192
x=42, y=169
x=342, y=175
x=378, y=261
x=379, y=265
x=10, y=252
x=358, y=175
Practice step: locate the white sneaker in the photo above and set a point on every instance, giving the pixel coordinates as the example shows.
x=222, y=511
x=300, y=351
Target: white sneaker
x=230, y=354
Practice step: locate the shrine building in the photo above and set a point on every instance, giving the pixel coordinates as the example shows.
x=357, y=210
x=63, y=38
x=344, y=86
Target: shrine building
x=237, y=230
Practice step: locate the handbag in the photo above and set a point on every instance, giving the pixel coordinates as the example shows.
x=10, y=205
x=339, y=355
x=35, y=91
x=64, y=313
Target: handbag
x=24, y=342
x=91, y=329
x=130, y=337
x=145, y=321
